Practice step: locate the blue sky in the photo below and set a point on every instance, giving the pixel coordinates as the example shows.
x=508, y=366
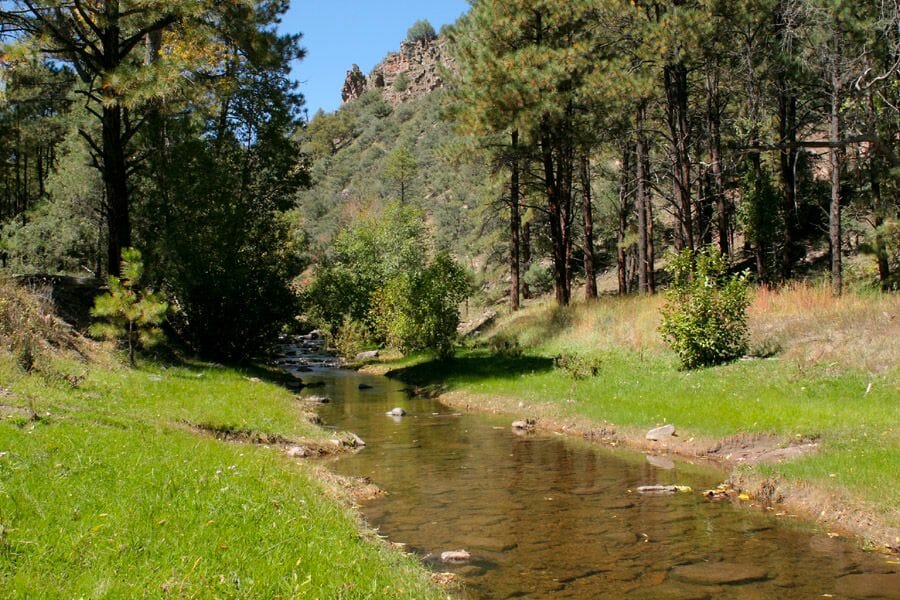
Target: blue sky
x=338, y=33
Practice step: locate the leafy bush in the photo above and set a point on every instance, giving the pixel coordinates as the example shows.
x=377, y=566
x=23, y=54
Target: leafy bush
x=704, y=319
x=351, y=338
x=505, y=346
x=578, y=366
x=421, y=31
x=130, y=313
x=420, y=311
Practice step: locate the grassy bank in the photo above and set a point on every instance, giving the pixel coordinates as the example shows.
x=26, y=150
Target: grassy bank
x=119, y=488
x=834, y=377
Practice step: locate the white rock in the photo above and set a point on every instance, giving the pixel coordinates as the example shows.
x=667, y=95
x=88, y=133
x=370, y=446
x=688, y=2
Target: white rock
x=659, y=433
x=455, y=556
x=396, y=412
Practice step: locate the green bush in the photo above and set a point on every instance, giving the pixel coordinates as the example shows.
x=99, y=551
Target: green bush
x=578, y=366
x=401, y=84
x=421, y=31
x=420, y=311
x=351, y=338
x=539, y=278
x=704, y=319
x=505, y=346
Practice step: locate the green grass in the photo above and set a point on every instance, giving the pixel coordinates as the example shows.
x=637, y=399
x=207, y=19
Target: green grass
x=861, y=444
x=109, y=495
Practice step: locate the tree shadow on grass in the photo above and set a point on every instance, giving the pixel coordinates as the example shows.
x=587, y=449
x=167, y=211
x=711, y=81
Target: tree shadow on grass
x=472, y=367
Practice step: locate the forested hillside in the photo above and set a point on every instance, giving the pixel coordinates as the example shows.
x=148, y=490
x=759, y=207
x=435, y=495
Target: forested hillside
x=614, y=133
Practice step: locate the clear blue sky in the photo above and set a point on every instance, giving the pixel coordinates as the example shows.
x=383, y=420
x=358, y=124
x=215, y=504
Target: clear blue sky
x=339, y=33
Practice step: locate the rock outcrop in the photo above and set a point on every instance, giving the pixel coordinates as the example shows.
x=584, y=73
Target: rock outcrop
x=411, y=73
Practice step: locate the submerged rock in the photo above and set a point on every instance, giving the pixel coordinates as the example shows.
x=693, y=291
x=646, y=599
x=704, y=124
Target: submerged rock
x=719, y=573
x=659, y=433
x=396, y=412
x=365, y=386
x=455, y=556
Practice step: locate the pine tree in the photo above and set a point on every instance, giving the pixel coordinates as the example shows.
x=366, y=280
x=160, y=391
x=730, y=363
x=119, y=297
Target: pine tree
x=128, y=312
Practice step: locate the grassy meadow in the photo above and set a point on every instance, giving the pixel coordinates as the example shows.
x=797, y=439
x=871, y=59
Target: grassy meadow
x=110, y=489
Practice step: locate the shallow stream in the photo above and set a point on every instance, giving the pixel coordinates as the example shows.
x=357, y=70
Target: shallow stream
x=545, y=516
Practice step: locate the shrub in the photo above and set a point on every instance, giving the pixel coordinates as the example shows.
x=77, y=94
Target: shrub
x=351, y=338
x=421, y=31
x=505, y=346
x=401, y=84
x=420, y=311
x=128, y=311
x=578, y=366
x=539, y=278
x=704, y=319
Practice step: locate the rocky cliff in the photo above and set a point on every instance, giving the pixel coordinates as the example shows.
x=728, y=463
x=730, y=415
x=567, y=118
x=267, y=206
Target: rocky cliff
x=411, y=73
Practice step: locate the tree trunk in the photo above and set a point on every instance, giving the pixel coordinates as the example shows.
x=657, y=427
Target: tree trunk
x=526, y=257
x=640, y=202
x=787, y=129
x=590, y=276
x=514, y=224
x=834, y=214
x=675, y=76
x=557, y=221
x=621, y=265
x=115, y=179
x=713, y=118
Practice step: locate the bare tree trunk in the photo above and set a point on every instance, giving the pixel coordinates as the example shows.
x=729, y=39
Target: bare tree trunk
x=640, y=202
x=526, y=257
x=514, y=224
x=713, y=117
x=676, y=110
x=115, y=179
x=787, y=125
x=590, y=276
x=621, y=257
x=834, y=214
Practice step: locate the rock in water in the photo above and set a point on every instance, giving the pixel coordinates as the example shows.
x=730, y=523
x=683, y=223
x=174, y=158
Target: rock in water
x=318, y=399
x=661, y=432
x=719, y=573
x=524, y=425
x=364, y=386
x=455, y=556
x=396, y=412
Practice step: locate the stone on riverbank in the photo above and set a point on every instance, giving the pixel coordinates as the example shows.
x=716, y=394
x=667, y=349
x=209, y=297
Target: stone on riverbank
x=659, y=433
x=368, y=355
x=524, y=425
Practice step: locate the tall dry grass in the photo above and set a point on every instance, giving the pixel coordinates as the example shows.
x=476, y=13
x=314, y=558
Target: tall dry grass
x=810, y=325
x=800, y=322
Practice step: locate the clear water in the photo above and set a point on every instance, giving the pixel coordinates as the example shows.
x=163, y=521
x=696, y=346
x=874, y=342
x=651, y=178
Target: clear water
x=545, y=516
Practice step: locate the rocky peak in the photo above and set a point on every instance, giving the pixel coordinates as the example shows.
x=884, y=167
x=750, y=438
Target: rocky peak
x=406, y=75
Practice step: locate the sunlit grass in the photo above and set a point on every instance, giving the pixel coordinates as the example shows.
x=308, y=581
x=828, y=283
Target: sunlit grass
x=109, y=495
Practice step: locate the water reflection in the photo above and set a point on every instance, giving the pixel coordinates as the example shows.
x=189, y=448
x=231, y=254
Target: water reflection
x=544, y=516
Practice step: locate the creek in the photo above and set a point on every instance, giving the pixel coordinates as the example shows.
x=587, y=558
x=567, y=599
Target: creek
x=547, y=516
